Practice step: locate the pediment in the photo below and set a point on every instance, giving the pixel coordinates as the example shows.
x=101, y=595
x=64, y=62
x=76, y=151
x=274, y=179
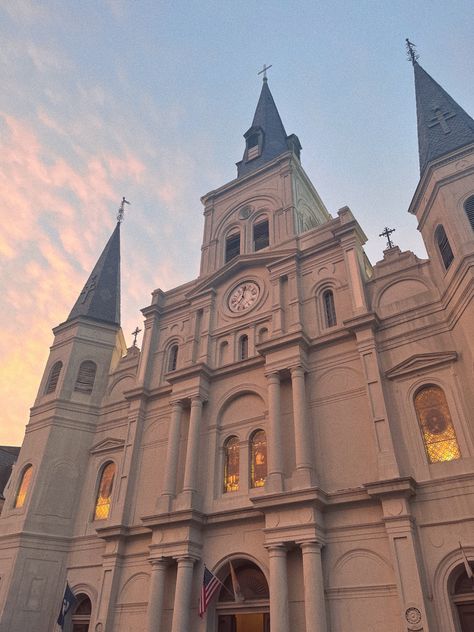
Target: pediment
x=107, y=445
x=421, y=362
x=239, y=264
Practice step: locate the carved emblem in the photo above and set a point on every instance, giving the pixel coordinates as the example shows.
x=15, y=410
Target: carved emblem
x=413, y=615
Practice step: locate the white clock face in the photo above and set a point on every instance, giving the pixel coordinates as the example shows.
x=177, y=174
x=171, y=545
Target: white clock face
x=243, y=296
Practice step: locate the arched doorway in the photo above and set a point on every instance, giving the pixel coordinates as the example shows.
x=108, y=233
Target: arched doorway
x=243, y=604
x=462, y=597
x=81, y=615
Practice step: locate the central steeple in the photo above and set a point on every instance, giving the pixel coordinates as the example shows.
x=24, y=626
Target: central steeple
x=266, y=139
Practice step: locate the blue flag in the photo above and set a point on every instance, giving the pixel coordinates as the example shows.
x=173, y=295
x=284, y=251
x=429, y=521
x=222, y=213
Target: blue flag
x=69, y=600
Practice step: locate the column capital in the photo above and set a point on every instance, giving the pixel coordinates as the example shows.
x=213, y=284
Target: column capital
x=186, y=559
x=273, y=377
x=310, y=545
x=197, y=400
x=177, y=403
x=159, y=562
x=298, y=370
x=276, y=548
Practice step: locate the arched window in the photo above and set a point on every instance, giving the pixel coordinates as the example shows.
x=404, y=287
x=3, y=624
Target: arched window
x=261, y=237
x=86, y=377
x=223, y=353
x=173, y=358
x=53, y=377
x=329, y=308
x=232, y=247
x=258, y=459
x=23, y=487
x=81, y=615
x=469, y=209
x=462, y=597
x=104, y=493
x=437, y=429
x=231, y=465
x=243, y=347
x=444, y=246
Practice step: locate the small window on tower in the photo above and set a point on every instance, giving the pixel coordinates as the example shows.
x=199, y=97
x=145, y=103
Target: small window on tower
x=329, y=309
x=444, y=246
x=86, y=377
x=261, y=235
x=243, y=347
x=231, y=465
x=23, y=487
x=469, y=208
x=173, y=358
x=232, y=247
x=53, y=378
x=253, y=149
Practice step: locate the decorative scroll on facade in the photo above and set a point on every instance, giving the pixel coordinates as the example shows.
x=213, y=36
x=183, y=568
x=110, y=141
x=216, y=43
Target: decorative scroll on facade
x=439, y=435
x=104, y=493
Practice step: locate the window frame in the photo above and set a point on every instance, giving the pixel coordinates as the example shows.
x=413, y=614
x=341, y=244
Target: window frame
x=443, y=245
x=253, y=434
x=86, y=391
x=48, y=390
x=225, y=465
x=99, y=478
x=27, y=467
x=232, y=235
x=172, y=358
x=243, y=348
x=256, y=225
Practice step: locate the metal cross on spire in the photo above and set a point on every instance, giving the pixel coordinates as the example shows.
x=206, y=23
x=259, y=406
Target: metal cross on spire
x=264, y=71
x=121, y=211
x=135, y=334
x=386, y=233
x=411, y=51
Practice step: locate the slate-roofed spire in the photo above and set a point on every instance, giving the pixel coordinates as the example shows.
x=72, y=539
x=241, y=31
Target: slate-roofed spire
x=443, y=126
x=100, y=297
x=267, y=138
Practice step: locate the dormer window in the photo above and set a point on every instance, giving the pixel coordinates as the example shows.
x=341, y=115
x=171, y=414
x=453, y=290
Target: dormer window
x=254, y=142
x=232, y=247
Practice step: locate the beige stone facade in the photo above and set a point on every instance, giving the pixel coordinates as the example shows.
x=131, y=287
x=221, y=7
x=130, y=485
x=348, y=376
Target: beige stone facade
x=357, y=527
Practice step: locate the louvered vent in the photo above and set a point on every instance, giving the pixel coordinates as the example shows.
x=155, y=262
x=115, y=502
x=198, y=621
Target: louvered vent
x=86, y=377
x=444, y=246
x=53, y=378
x=469, y=208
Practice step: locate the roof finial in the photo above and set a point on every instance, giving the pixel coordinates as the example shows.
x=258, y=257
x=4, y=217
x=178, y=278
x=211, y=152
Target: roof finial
x=264, y=70
x=411, y=51
x=121, y=210
x=386, y=233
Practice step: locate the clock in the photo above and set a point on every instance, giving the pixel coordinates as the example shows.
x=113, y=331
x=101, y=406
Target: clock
x=243, y=296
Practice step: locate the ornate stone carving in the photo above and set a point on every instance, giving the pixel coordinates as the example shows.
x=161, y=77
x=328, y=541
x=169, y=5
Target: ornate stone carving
x=413, y=615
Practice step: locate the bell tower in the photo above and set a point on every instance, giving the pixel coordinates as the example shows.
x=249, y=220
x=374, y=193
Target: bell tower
x=271, y=201
x=45, y=486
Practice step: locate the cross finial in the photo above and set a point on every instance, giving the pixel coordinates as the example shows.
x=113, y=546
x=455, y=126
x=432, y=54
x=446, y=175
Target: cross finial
x=264, y=71
x=411, y=51
x=121, y=210
x=135, y=334
x=386, y=233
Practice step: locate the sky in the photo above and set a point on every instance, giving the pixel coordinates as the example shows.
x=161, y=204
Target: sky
x=149, y=99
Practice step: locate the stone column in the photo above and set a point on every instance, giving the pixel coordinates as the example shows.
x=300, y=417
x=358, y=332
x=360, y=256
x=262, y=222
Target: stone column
x=275, y=458
x=304, y=462
x=279, y=616
x=192, y=452
x=182, y=599
x=169, y=486
x=156, y=594
x=314, y=601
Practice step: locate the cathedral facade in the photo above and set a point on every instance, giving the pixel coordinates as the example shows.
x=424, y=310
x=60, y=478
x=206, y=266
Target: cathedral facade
x=298, y=421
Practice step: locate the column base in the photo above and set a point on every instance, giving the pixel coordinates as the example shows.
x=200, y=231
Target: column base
x=188, y=499
x=164, y=504
x=302, y=478
x=274, y=482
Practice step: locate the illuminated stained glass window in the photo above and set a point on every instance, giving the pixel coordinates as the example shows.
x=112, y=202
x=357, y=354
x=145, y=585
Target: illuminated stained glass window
x=104, y=493
x=436, y=425
x=231, y=465
x=258, y=459
x=23, y=487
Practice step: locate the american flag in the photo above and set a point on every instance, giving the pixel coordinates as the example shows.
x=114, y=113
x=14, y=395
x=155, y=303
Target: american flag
x=210, y=583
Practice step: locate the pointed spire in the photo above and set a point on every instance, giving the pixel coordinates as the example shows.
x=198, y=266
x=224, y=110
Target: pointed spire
x=267, y=138
x=100, y=297
x=443, y=125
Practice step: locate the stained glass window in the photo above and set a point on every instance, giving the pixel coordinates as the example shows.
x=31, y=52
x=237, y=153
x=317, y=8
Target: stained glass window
x=104, y=493
x=436, y=425
x=258, y=459
x=53, y=377
x=231, y=465
x=23, y=488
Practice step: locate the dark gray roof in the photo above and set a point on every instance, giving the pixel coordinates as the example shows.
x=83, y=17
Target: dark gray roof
x=100, y=297
x=443, y=126
x=275, y=140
